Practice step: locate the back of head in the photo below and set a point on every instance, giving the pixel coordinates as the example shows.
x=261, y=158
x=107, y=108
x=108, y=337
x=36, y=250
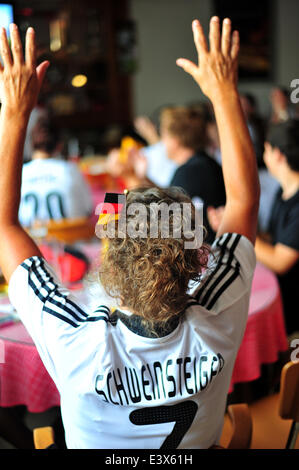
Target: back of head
x=44, y=136
x=150, y=274
x=285, y=137
x=187, y=124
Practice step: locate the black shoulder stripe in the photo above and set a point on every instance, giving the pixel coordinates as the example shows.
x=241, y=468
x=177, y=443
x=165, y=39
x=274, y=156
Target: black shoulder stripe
x=191, y=303
x=100, y=317
x=229, y=281
x=55, y=297
x=102, y=308
x=216, y=269
x=79, y=309
x=226, y=269
x=64, y=305
x=65, y=309
x=31, y=261
x=35, y=290
x=61, y=317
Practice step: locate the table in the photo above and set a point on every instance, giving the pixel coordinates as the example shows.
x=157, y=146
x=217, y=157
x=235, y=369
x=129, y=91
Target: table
x=265, y=335
x=24, y=379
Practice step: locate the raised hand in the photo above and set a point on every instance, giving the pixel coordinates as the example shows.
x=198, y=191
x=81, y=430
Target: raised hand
x=217, y=68
x=20, y=79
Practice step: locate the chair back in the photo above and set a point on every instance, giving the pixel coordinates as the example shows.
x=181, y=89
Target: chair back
x=289, y=391
x=289, y=399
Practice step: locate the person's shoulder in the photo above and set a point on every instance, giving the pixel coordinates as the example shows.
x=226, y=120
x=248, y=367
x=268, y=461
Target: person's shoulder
x=194, y=163
x=229, y=273
x=292, y=209
x=28, y=166
x=180, y=174
x=205, y=159
x=235, y=245
x=295, y=199
x=291, y=205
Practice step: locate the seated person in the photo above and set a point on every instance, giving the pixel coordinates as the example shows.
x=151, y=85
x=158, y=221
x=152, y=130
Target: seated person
x=52, y=188
x=158, y=168
x=255, y=125
x=183, y=132
x=281, y=255
x=155, y=373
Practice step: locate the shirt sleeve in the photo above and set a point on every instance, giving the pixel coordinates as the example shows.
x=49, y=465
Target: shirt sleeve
x=229, y=274
x=57, y=323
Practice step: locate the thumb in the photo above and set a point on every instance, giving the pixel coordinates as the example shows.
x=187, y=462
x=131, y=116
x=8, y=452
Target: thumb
x=41, y=70
x=188, y=66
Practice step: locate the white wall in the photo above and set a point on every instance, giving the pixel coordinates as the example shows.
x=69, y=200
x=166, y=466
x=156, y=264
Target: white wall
x=164, y=34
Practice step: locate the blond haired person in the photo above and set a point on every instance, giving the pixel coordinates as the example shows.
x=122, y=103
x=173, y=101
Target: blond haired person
x=157, y=374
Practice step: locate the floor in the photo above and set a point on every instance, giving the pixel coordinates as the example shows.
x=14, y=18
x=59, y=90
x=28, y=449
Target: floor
x=269, y=431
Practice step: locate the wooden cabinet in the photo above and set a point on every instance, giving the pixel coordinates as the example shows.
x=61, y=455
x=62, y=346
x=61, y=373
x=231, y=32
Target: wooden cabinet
x=92, y=38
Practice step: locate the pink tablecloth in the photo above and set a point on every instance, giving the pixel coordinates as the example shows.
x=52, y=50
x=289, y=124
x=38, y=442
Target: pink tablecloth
x=24, y=380
x=23, y=377
x=265, y=335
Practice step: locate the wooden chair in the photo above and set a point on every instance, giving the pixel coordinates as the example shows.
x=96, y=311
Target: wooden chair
x=237, y=428
x=239, y=437
x=44, y=438
x=276, y=417
x=289, y=400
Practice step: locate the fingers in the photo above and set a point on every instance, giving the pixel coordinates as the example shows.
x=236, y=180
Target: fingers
x=214, y=35
x=4, y=49
x=199, y=38
x=227, y=43
x=41, y=70
x=226, y=37
x=15, y=56
x=235, y=45
x=187, y=65
x=16, y=45
x=30, y=48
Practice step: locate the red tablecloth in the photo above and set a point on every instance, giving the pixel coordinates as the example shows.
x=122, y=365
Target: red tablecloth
x=265, y=335
x=24, y=380
x=23, y=377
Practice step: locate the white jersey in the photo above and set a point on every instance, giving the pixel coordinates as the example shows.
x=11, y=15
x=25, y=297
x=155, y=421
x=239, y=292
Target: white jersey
x=160, y=168
x=123, y=388
x=53, y=189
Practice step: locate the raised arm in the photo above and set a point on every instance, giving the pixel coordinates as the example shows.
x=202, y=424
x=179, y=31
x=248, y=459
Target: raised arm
x=216, y=74
x=20, y=82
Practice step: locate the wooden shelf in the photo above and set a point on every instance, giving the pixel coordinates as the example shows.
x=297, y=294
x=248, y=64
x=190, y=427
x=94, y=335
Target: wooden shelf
x=107, y=94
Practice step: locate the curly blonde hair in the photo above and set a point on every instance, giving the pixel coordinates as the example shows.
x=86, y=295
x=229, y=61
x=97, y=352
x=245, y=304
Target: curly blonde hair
x=150, y=276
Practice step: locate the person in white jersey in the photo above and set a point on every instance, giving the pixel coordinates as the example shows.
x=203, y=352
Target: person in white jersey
x=155, y=373
x=52, y=188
